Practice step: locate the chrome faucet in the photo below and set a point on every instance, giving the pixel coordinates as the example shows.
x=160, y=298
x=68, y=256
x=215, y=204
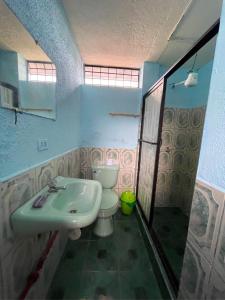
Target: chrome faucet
x=52, y=186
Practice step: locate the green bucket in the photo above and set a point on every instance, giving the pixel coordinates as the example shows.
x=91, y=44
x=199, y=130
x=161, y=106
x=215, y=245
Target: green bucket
x=128, y=201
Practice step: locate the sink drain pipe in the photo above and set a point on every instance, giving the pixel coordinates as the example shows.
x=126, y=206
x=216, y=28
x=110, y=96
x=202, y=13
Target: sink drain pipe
x=33, y=277
x=74, y=234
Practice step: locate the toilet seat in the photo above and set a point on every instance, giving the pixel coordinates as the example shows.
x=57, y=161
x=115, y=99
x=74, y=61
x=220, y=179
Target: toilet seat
x=109, y=204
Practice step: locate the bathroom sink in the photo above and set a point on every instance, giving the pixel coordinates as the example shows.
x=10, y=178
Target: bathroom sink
x=74, y=207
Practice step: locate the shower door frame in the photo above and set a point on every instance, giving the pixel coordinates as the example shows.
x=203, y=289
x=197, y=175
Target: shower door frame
x=212, y=32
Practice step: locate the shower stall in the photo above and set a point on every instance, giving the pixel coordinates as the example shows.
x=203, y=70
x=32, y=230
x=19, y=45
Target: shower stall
x=171, y=129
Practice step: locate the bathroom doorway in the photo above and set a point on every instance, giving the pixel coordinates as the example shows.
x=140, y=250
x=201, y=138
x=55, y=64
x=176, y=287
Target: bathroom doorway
x=168, y=163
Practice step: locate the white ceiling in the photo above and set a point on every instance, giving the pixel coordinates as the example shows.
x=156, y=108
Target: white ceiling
x=129, y=32
x=199, y=17
x=14, y=37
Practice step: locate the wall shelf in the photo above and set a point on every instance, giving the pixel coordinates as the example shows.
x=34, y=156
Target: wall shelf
x=121, y=114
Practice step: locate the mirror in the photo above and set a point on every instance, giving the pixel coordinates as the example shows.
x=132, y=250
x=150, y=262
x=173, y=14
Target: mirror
x=27, y=75
x=183, y=121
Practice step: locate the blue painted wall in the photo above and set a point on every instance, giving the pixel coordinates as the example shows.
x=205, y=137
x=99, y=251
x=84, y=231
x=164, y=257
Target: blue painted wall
x=151, y=72
x=46, y=21
x=98, y=128
x=37, y=94
x=182, y=97
x=212, y=157
x=8, y=67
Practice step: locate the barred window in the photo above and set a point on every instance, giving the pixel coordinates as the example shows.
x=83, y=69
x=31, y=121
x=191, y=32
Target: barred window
x=111, y=76
x=41, y=71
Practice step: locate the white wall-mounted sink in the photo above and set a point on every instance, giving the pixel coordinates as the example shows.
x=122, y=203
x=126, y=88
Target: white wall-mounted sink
x=76, y=206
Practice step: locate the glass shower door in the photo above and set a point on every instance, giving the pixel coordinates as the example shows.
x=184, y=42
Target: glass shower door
x=148, y=147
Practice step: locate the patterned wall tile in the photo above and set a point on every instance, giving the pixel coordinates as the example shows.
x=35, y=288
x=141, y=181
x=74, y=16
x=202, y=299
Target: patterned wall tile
x=126, y=178
x=195, y=274
x=75, y=164
x=216, y=288
x=97, y=155
x=85, y=157
x=220, y=250
x=13, y=194
x=86, y=173
x=68, y=165
x=182, y=118
x=205, y=218
x=179, y=153
x=180, y=139
x=168, y=117
x=194, y=139
x=44, y=173
x=17, y=265
x=126, y=158
x=165, y=161
x=167, y=138
x=19, y=255
x=61, y=166
x=197, y=117
x=112, y=155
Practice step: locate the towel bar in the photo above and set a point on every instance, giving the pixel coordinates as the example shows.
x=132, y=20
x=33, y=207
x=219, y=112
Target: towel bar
x=115, y=114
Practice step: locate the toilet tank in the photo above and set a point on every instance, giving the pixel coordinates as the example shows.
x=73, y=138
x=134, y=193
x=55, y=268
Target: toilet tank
x=106, y=174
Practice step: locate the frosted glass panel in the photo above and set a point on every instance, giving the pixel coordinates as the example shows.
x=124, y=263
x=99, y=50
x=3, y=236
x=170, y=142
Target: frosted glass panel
x=147, y=165
x=151, y=115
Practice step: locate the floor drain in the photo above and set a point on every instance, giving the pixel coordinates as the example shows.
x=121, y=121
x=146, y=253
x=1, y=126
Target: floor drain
x=73, y=211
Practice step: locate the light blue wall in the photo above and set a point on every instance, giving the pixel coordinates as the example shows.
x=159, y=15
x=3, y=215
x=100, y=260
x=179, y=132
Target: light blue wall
x=35, y=94
x=182, y=97
x=8, y=67
x=151, y=72
x=46, y=21
x=98, y=128
x=212, y=157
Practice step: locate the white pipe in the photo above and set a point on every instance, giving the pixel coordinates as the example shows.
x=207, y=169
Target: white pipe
x=173, y=85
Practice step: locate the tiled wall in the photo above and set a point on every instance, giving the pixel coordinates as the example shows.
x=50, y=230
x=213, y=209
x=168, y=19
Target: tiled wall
x=126, y=158
x=19, y=255
x=203, y=273
x=181, y=139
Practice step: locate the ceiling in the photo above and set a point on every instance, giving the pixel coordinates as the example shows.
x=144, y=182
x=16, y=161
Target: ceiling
x=129, y=32
x=14, y=37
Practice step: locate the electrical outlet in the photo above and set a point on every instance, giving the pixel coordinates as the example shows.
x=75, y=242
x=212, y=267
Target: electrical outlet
x=42, y=144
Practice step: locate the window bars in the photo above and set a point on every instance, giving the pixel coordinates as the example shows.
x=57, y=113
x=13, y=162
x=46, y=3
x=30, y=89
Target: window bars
x=111, y=76
x=41, y=71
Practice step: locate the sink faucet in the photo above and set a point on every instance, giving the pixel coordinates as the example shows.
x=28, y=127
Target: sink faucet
x=52, y=186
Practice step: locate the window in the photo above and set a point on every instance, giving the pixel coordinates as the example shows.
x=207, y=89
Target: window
x=111, y=76
x=41, y=71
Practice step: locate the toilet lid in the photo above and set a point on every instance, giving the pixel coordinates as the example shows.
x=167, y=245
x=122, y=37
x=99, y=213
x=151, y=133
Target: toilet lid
x=109, y=199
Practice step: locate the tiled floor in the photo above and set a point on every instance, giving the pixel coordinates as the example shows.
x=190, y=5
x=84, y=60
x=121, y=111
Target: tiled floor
x=116, y=267
x=171, y=226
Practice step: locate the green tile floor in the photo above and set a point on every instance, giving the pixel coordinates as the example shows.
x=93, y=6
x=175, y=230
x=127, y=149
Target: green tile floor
x=171, y=227
x=115, y=267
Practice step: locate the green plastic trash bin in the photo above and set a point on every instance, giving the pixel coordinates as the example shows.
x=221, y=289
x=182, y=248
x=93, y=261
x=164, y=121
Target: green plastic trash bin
x=128, y=201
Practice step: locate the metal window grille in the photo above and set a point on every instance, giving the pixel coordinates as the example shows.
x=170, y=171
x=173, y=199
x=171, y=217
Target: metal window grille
x=41, y=71
x=111, y=76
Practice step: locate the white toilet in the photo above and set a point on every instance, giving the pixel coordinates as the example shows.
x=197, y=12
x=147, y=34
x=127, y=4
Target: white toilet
x=107, y=175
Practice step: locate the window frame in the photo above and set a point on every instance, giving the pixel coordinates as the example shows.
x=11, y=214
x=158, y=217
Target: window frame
x=108, y=73
x=41, y=62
